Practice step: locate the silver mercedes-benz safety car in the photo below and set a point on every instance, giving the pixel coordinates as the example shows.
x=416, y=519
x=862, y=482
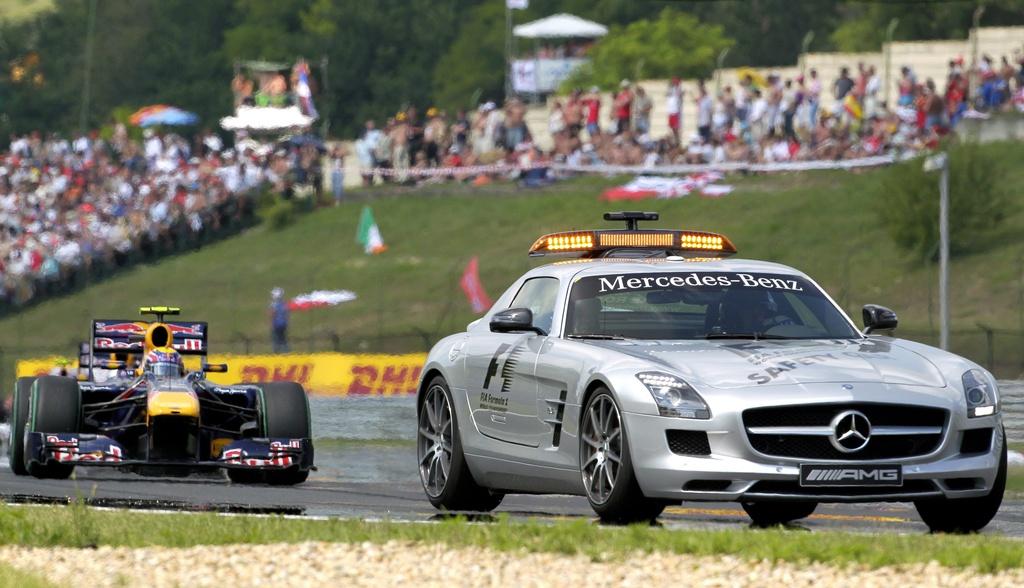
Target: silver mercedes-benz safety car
x=652, y=370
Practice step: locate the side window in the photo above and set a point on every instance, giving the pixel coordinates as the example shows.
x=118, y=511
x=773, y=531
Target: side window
x=538, y=294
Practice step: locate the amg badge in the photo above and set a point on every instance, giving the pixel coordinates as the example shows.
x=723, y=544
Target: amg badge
x=851, y=475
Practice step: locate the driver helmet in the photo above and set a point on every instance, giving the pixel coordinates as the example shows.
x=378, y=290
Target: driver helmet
x=164, y=362
x=746, y=309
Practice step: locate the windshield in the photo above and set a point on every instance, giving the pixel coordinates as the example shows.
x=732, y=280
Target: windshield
x=703, y=305
x=166, y=369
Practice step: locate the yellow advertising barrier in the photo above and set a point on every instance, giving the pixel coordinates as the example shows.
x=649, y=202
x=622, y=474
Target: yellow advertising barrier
x=336, y=374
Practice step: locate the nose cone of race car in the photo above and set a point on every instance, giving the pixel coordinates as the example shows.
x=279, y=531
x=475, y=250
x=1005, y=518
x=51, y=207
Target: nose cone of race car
x=737, y=364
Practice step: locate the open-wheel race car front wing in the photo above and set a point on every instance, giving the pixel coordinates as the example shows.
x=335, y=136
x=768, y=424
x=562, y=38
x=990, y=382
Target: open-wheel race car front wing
x=100, y=450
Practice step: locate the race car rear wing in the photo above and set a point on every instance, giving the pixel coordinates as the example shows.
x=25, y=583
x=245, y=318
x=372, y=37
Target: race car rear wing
x=129, y=337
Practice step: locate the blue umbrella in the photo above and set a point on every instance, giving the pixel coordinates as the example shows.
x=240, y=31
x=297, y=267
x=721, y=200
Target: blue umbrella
x=170, y=116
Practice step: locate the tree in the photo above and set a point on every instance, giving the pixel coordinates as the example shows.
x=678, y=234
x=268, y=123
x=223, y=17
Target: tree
x=674, y=44
x=908, y=200
x=475, y=62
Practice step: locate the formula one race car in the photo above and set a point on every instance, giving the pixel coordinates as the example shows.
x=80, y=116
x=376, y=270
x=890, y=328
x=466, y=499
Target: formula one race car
x=653, y=370
x=153, y=417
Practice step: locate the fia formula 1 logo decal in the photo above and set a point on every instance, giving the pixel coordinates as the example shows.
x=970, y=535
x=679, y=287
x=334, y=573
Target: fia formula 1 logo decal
x=508, y=369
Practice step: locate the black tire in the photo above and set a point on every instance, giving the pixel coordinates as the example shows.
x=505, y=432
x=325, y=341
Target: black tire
x=284, y=412
x=55, y=407
x=965, y=515
x=770, y=514
x=626, y=503
x=19, y=419
x=459, y=491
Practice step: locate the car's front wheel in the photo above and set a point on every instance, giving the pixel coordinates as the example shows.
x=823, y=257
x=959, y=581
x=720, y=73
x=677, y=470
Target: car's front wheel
x=607, y=468
x=284, y=411
x=55, y=407
x=445, y=476
x=770, y=514
x=19, y=420
x=965, y=515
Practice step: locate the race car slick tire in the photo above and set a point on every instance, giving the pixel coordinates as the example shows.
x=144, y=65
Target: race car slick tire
x=55, y=407
x=284, y=412
x=19, y=418
x=444, y=474
x=770, y=514
x=965, y=515
x=607, y=468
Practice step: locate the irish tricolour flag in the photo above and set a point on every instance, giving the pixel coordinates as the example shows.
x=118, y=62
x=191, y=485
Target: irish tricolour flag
x=368, y=234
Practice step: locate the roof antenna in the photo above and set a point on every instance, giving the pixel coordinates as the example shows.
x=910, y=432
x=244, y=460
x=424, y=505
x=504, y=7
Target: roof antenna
x=631, y=218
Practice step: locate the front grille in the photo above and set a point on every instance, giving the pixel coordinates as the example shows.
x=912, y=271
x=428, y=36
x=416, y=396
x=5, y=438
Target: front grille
x=822, y=414
x=808, y=447
x=688, y=442
x=818, y=446
x=793, y=488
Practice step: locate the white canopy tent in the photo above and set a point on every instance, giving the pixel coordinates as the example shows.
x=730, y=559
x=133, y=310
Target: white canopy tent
x=560, y=26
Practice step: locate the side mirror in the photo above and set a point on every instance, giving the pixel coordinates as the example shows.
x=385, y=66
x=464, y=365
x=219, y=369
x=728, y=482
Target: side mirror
x=878, y=317
x=215, y=368
x=514, y=320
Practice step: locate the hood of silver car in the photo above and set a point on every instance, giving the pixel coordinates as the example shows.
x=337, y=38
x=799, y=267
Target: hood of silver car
x=736, y=363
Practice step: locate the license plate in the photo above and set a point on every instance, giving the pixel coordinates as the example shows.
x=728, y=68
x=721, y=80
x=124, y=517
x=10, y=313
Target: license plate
x=851, y=475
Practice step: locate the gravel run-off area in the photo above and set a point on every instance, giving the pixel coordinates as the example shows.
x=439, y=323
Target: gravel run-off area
x=393, y=564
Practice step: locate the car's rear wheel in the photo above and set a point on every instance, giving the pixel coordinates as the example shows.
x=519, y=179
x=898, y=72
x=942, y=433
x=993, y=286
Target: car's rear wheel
x=607, y=468
x=55, y=407
x=965, y=515
x=284, y=412
x=446, y=479
x=19, y=420
x=770, y=514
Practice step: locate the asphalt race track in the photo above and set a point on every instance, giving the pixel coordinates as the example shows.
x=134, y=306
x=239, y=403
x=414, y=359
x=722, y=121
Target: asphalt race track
x=405, y=501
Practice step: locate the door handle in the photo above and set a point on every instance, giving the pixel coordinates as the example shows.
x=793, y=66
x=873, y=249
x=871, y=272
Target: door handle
x=497, y=418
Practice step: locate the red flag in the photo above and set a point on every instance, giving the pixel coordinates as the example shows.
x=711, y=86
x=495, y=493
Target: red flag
x=473, y=288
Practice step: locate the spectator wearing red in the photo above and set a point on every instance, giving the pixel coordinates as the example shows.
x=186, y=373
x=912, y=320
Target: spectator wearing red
x=674, y=107
x=623, y=106
x=592, y=112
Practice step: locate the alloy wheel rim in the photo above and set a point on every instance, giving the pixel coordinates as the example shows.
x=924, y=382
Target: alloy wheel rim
x=601, y=442
x=434, y=441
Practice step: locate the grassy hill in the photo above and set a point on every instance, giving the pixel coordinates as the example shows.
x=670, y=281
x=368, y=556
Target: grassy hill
x=825, y=223
x=19, y=10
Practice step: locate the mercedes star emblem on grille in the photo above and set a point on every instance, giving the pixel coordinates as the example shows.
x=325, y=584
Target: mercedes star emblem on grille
x=851, y=431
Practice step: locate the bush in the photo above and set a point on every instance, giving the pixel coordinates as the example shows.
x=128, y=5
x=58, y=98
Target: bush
x=278, y=215
x=908, y=200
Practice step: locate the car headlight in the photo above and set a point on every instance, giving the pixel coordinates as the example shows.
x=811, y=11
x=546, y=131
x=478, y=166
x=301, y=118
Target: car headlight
x=981, y=394
x=674, y=397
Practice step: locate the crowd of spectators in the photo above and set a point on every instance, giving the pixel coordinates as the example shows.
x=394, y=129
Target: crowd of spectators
x=408, y=144
x=75, y=209
x=761, y=119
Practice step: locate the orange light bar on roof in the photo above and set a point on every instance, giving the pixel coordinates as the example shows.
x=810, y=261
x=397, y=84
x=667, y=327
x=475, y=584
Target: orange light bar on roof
x=564, y=242
x=702, y=241
x=593, y=243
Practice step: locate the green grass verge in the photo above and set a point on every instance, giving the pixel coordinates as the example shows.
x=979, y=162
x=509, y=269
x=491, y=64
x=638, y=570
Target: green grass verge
x=78, y=526
x=1015, y=480
x=11, y=577
x=825, y=223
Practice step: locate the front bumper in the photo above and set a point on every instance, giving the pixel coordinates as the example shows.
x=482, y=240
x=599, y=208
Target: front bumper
x=262, y=454
x=734, y=471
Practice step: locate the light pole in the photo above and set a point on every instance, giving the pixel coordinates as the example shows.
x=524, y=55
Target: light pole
x=804, y=46
x=887, y=51
x=940, y=162
x=718, y=68
x=972, y=80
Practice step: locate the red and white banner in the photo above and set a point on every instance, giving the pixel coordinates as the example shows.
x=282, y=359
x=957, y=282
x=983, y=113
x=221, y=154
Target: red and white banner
x=474, y=288
x=666, y=187
x=320, y=298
